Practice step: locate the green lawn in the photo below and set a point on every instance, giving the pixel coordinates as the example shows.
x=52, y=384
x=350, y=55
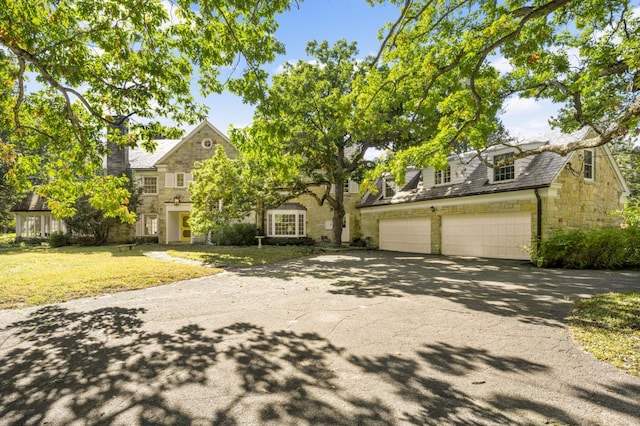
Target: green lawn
x=38, y=275
x=41, y=275
x=608, y=326
x=240, y=257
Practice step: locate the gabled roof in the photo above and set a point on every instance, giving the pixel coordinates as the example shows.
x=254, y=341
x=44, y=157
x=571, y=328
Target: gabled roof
x=205, y=123
x=31, y=203
x=539, y=173
x=139, y=158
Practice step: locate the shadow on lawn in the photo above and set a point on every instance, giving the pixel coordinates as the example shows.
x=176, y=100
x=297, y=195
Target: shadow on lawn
x=501, y=287
x=102, y=367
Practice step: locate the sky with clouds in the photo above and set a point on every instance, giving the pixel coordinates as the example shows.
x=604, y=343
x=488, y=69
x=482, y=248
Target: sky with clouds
x=356, y=20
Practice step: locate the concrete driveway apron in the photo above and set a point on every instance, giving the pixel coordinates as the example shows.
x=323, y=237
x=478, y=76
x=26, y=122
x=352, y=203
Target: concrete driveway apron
x=351, y=338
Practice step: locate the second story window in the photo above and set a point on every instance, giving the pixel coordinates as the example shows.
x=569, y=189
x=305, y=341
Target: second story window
x=589, y=164
x=389, y=189
x=443, y=176
x=149, y=185
x=180, y=181
x=506, y=171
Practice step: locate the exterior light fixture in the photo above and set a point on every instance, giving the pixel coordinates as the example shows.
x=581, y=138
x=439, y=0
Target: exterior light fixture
x=176, y=200
x=433, y=209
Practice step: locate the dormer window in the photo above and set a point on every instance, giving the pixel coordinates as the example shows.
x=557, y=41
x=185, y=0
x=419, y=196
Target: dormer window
x=506, y=171
x=589, y=164
x=443, y=176
x=389, y=189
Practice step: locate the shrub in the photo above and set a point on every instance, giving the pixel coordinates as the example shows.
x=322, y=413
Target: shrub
x=146, y=240
x=304, y=241
x=238, y=234
x=602, y=248
x=59, y=239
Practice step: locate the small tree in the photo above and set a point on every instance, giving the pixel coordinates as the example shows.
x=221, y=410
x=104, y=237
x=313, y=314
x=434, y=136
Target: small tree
x=97, y=219
x=225, y=190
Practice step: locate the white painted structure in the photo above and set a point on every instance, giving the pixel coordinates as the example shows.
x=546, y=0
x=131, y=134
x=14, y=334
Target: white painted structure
x=411, y=235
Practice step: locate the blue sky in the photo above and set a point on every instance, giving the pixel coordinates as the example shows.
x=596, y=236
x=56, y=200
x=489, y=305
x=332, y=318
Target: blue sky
x=355, y=20
x=331, y=20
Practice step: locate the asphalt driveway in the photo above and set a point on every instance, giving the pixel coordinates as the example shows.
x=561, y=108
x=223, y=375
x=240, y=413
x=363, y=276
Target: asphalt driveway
x=355, y=338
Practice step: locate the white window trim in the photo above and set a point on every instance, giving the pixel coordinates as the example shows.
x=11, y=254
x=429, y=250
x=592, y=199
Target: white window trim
x=142, y=179
x=143, y=219
x=593, y=165
x=184, y=180
x=442, y=174
x=298, y=233
x=496, y=169
x=389, y=185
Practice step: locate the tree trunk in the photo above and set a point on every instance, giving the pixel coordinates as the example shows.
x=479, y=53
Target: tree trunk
x=338, y=213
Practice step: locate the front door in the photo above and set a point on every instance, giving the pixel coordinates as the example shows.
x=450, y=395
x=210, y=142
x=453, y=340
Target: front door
x=185, y=229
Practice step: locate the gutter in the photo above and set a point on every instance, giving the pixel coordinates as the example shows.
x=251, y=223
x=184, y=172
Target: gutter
x=539, y=219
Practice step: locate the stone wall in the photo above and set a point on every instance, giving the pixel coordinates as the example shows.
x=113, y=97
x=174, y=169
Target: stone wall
x=583, y=203
x=182, y=160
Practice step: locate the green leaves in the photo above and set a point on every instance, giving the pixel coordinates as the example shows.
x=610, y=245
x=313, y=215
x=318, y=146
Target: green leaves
x=583, y=55
x=68, y=66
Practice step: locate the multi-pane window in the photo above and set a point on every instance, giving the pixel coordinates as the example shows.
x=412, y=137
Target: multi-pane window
x=443, y=176
x=346, y=186
x=506, y=171
x=589, y=164
x=149, y=185
x=150, y=225
x=389, y=189
x=180, y=183
x=286, y=223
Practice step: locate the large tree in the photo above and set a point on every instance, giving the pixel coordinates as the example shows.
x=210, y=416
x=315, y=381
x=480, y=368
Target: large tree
x=68, y=67
x=313, y=127
x=581, y=54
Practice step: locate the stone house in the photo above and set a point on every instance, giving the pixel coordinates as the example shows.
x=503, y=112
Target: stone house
x=467, y=209
x=470, y=209
x=164, y=177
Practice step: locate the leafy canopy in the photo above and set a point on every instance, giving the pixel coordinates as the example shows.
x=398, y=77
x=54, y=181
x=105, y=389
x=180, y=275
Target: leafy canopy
x=582, y=54
x=312, y=128
x=68, y=67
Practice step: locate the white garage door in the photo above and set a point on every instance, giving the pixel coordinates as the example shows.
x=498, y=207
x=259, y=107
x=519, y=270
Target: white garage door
x=497, y=235
x=408, y=235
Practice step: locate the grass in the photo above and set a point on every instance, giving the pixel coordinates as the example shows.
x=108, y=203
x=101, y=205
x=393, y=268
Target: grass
x=608, y=326
x=36, y=275
x=240, y=257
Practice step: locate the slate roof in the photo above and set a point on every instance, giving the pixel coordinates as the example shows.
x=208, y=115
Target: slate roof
x=141, y=159
x=539, y=173
x=31, y=203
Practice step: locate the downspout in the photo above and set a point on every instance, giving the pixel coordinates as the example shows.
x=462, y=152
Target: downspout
x=539, y=220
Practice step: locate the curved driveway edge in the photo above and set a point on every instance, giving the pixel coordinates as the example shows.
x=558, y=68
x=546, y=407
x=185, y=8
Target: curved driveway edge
x=353, y=338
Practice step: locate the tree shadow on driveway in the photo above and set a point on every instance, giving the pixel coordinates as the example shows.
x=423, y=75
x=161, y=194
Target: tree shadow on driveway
x=507, y=288
x=106, y=366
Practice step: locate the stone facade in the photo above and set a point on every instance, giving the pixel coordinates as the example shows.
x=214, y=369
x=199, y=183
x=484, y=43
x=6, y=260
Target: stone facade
x=172, y=202
x=568, y=201
x=575, y=202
